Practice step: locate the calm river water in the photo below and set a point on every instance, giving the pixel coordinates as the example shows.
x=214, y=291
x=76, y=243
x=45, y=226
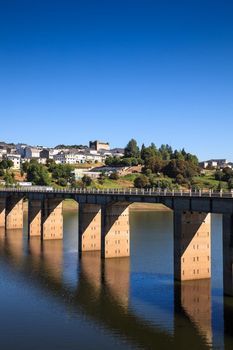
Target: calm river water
x=50, y=299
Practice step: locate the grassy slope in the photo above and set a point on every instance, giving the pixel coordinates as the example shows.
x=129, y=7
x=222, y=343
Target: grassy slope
x=206, y=181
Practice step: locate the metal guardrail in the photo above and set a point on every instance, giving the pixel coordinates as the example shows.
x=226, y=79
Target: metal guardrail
x=124, y=191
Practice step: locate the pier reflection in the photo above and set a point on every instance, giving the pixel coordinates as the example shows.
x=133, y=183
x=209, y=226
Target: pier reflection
x=195, y=300
x=47, y=256
x=12, y=242
x=90, y=268
x=117, y=278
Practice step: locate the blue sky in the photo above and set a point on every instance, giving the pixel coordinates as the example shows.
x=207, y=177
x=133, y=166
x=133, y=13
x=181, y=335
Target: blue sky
x=161, y=71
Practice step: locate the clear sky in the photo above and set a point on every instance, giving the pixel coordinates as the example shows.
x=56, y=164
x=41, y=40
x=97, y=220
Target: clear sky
x=155, y=70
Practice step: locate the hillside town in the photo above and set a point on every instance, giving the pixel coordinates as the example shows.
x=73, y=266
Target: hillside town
x=97, y=152
x=98, y=164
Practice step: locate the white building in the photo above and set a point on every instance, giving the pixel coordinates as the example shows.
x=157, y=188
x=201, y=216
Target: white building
x=69, y=158
x=77, y=158
x=94, y=158
x=116, y=152
x=3, y=152
x=214, y=163
x=32, y=152
x=20, y=149
x=16, y=159
x=53, y=152
x=79, y=173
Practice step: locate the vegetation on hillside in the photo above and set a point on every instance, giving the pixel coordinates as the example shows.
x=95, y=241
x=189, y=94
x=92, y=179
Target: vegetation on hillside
x=162, y=168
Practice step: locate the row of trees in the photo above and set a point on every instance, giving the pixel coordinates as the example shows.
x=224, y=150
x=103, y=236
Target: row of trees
x=178, y=165
x=43, y=175
x=5, y=173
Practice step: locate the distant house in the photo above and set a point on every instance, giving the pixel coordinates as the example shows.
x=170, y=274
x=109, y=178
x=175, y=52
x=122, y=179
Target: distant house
x=116, y=152
x=16, y=159
x=45, y=154
x=7, y=147
x=20, y=149
x=69, y=158
x=32, y=152
x=99, y=145
x=3, y=152
x=79, y=173
x=214, y=163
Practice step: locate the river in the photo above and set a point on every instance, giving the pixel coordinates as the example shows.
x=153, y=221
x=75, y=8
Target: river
x=52, y=299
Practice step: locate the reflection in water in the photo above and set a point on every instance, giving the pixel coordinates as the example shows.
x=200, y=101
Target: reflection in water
x=102, y=293
x=116, y=276
x=13, y=243
x=48, y=254
x=195, y=298
x=90, y=266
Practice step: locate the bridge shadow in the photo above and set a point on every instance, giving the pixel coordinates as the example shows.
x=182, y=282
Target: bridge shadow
x=103, y=293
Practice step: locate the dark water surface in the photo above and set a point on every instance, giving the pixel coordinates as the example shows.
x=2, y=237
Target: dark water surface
x=52, y=300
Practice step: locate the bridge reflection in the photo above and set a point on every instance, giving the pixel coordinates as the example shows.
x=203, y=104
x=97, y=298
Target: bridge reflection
x=102, y=292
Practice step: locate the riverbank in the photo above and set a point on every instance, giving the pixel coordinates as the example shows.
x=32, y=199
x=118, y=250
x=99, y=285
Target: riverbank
x=148, y=207
x=71, y=205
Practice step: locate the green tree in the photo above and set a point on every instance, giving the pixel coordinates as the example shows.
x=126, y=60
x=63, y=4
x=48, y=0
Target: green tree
x=153, y=163
x=25, y=166
x=182, y=167
x=114, y=176
x=86, y=180
x=149, y=152
x=9, y=178
x=165, y=152
x=6, y=164
x=132, y=149
x=62, y=171
x=142, y=150
x=141, y=181
x=62, y=182
x=218, y=175
x=191, y=158
x=230, y=184
x=180, y=179
x=165, y=184
x=51, y=164
x=38, y=174
x=126, y=162
x=177, y=155
x=227, y=174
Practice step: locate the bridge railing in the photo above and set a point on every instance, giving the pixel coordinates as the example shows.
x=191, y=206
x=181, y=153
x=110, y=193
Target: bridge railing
x=124, y=191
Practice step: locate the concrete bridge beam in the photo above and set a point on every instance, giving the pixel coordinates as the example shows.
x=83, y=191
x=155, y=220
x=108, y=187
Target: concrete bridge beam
x=89, y=227
x=14, y=213
x=115, y=231
x=52, y=219
x=192, y=245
